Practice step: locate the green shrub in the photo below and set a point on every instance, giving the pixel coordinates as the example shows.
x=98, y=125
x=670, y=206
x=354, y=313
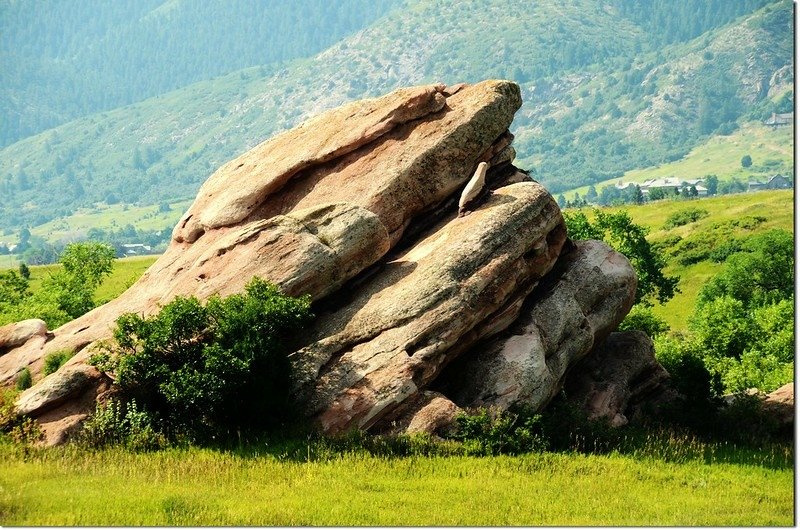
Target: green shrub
x=55, y=360
x=684, y=217
x=642, y=318
x=116, y=424
x=209, y=371
x=24, y=379
x=687, y=369
x=493, y=432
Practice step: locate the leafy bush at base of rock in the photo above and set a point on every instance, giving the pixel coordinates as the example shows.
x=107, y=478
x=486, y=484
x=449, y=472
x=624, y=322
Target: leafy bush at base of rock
x=56, y=360
x=210, y=371
x=115, y=424
x=491, y=432
x=24, y=379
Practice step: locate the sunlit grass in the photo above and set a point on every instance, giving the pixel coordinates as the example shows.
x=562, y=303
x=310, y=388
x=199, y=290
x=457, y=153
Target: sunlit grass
x=206, y=487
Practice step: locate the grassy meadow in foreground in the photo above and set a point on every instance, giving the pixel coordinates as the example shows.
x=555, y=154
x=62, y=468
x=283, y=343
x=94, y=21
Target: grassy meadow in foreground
x=67, y=486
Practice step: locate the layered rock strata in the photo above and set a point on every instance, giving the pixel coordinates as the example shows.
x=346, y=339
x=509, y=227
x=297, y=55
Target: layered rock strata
x=358, y=209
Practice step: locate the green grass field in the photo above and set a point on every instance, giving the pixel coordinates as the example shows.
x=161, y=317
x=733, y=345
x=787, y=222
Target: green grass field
x=205, y=487
x=770, y=149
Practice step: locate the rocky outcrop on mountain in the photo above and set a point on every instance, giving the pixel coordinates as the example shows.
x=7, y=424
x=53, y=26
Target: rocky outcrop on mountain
x=618, y=377
x=358, y=209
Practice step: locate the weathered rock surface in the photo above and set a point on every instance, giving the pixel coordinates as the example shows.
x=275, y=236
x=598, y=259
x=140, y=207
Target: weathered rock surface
x=397, y=157
x=396, y=334
x=618, y=377
x=780, y=404
x=582, y=300
x=427, y=412
x=358, y=209
x=17, y=334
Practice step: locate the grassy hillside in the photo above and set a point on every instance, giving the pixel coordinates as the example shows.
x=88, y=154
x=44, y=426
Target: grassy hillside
x=775, y=207
x=770, y=148
x=113, y=216
x=591, y=111
x=197, y=487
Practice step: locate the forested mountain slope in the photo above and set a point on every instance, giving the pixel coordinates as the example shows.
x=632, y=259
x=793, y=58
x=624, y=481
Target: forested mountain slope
x=602, y=94
x=66, y=59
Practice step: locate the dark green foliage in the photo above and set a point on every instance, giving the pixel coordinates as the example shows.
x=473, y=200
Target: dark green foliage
x=688, y=373
x=684, y=217
x=55, y=360
x=747, y=161
x=210, y=370
x=24, y=379
x=492, y=432
x=642, y=318
x=24, y=271
x=762, y=272
x=618, y=230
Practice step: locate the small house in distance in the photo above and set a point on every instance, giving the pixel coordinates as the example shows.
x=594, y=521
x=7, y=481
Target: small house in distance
x=776, y=182
x=135, y=249
x=673, y=184
x=777, y=120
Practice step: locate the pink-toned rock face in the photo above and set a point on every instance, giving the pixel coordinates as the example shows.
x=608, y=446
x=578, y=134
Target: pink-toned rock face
x=313, y=207
x=401, y=328
x=358, y=209
x=579, y=303
x=17, y=334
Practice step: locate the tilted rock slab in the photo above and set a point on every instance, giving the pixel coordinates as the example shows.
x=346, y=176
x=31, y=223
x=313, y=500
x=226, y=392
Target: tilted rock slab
x=313, y=207
x=578, y=304
x=397, y=333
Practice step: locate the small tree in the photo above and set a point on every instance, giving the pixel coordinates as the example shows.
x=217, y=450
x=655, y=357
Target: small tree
x=618, y=230
x=85, y=265
x=747, y=161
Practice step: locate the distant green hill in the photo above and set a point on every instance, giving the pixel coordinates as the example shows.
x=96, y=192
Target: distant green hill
x=771, y=150
x=604, y=94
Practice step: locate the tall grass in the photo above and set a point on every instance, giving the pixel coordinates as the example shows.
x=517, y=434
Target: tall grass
x=264, y=484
